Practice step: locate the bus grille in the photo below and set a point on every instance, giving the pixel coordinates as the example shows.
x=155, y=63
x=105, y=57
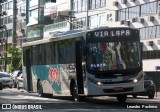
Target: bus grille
x=113, y=91
x=128, y=81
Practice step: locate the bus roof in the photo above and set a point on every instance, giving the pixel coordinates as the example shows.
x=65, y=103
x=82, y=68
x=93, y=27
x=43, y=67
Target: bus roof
x=57, y=36
x=68, y=34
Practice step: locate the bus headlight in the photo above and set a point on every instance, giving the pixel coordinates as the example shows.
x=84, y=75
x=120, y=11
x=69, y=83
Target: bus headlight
x=99, y=83
x=138, y=79
x=135, y=81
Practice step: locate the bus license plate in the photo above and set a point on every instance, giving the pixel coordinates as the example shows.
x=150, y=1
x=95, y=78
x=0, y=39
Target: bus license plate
x=118, y=88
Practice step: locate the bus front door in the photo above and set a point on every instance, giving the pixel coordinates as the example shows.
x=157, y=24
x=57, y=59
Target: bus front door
x=28, y=70
x=79, y=68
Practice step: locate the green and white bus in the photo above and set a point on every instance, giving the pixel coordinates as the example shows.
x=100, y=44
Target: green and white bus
x=78, y=63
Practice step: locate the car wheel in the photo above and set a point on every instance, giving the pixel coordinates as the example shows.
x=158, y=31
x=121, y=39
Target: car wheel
x=18, y=86
x=40, y=89
x=134, y=96
x=121, y=98
x=14, y=85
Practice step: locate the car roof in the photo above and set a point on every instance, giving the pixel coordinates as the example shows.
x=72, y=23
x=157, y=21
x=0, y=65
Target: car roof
x=3, y=73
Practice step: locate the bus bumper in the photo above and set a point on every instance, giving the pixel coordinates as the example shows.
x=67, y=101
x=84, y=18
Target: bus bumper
x=113, y=89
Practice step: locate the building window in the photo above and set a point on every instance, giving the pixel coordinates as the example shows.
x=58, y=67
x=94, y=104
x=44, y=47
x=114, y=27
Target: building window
x=3, y=7
x=33, y=17
x=151, y=54
x=133, y=12
x=33, y=3
x=78, y=23
x=150, y=32
x=158, y=32
x=94, y=4
x=142, y=33
x=79, y=5
x=149, y=8
x=9, y=33
x=5, y=20
x=122, y=14
x=141, y=10
x=96, y=20
x=10, y=5
x=10, y=18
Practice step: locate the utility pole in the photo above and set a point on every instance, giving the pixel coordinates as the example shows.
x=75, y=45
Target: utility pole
x=4, y=40
x=14, y=23
x=87, y=19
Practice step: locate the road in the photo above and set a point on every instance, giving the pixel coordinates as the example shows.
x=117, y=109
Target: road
x=20, y=100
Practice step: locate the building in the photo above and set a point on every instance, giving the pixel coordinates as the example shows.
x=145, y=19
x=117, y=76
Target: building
x=144, y=15
x=13, y=27
x=6, y=30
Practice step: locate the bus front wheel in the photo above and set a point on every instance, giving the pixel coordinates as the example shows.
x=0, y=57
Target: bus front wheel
x=40, y=89
x=75, y=95
x=122, y=98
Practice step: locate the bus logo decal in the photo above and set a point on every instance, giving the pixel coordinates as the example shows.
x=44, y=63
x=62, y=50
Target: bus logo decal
x=54, y=75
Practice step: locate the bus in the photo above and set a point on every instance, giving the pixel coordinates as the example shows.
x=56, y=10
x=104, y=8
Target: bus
x=80, y=63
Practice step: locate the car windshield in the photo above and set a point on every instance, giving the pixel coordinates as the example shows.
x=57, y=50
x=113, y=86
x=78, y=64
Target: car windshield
x=16, y=73
x=102, y=56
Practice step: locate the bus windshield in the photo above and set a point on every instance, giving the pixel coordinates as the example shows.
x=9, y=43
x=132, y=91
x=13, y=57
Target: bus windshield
x=104, y=56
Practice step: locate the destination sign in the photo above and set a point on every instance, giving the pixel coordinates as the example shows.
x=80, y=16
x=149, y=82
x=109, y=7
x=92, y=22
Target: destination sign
x=112, y=33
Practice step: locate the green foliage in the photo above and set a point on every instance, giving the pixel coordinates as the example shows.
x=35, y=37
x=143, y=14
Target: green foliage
x=15, y=59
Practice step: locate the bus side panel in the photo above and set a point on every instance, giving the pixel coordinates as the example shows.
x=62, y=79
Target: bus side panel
x=64, y=77
x=49, y=76
x=34, y=81
x=54, y=78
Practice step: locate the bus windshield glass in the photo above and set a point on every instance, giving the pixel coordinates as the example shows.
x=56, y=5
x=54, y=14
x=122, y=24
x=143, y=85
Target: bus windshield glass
x=104, y=56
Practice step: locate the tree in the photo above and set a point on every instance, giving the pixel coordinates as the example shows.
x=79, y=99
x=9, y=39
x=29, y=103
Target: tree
x=15, y=59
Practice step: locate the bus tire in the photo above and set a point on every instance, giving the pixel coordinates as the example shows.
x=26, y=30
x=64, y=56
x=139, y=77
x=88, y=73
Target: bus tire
x=40, y=89
x=75, y=96
x=121, y=98
x=151, y=96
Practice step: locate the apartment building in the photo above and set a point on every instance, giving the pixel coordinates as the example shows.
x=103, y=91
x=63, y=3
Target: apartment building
x=12, y=27
x=6, y=30
x=144, y=15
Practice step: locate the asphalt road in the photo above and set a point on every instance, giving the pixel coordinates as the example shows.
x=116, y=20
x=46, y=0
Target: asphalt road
x=20, y=100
